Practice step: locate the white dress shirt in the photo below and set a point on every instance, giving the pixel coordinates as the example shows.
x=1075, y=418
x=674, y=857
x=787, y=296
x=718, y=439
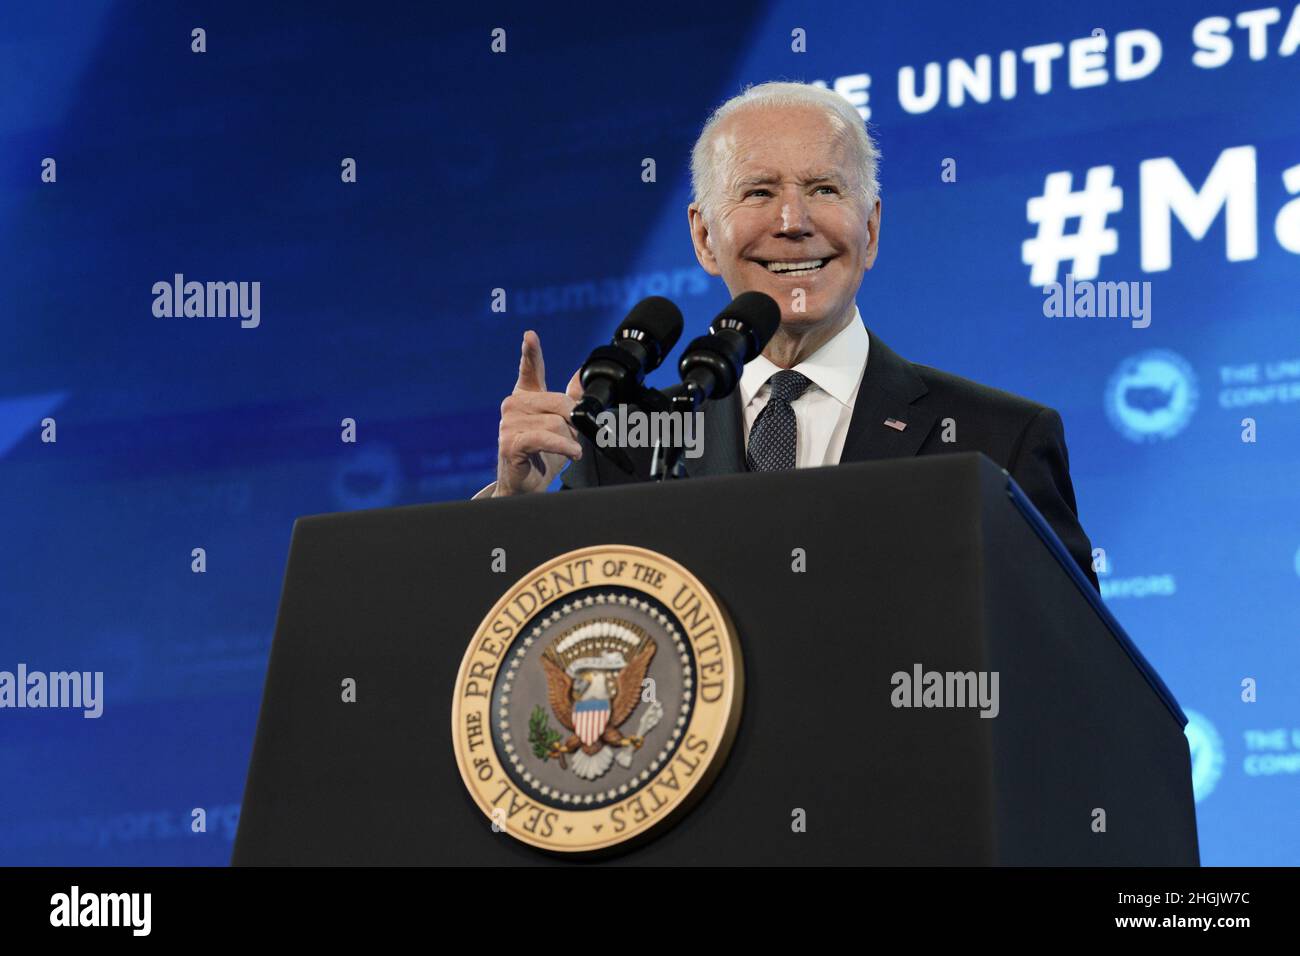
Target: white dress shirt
x=823, y=411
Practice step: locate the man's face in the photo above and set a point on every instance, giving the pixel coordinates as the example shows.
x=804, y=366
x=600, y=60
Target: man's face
x=787, y=195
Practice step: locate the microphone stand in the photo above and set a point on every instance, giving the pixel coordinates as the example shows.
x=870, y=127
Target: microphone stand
x=666, y=462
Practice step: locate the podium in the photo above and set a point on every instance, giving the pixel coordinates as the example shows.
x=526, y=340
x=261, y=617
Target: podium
x=837, y=580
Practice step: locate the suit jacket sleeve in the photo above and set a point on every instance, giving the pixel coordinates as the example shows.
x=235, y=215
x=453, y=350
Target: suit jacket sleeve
x=1041, y=467
x=585, y=472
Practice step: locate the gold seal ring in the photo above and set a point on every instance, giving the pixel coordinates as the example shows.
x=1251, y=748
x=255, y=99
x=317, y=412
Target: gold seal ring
x=597, y=700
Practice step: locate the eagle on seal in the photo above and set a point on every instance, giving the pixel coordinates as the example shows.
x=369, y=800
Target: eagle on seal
x=593, y=696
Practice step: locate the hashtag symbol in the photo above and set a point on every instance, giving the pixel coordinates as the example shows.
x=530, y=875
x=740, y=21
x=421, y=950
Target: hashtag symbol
x=1054, y=208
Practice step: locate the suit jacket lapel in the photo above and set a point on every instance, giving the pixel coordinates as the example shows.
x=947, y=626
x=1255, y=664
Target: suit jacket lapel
x=889, y=387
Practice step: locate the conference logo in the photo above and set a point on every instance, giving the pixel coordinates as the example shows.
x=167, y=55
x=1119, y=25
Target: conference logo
x=371, y=478
x=1151, y=395
x=597, y=700
x=1206, y=747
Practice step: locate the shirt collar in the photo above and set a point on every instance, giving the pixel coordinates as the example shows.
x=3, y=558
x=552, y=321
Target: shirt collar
x=835, y=368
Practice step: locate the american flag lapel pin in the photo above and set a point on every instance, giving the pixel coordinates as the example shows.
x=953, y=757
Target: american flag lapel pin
x=895, y=424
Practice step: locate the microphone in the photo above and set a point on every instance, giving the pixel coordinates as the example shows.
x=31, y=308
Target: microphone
x=712, y=364
x=614, y=374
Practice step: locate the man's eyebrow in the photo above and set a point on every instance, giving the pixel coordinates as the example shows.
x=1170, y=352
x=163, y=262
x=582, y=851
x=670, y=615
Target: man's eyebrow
x=767, y=178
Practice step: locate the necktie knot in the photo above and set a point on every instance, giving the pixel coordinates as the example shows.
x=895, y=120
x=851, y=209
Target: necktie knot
x=787, y=385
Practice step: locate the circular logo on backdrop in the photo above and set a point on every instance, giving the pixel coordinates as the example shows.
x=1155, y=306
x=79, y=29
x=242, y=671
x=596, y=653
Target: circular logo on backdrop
x=370, y=478
x=597, y=699
x=1207, y=754
x=1151, y=395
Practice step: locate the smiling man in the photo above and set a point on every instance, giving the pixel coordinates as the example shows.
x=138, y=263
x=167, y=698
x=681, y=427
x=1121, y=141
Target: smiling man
x=787, y=202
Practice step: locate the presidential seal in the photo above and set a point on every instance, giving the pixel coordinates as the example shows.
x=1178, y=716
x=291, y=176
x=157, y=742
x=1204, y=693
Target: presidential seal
x=597, y=700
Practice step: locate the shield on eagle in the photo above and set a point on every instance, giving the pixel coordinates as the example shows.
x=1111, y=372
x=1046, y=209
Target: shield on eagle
x=589, y=719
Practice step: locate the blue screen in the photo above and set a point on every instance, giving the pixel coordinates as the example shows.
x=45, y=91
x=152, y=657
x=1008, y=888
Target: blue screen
x=1153, y=146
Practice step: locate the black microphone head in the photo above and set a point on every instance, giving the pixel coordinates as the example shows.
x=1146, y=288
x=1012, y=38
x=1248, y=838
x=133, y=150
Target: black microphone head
x=757, y=313
x=657, y=324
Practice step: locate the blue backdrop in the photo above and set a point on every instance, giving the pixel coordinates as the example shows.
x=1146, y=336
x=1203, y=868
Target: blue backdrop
x=522, y=170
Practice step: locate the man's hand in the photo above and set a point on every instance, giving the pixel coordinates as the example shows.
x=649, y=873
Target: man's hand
x=535, y=439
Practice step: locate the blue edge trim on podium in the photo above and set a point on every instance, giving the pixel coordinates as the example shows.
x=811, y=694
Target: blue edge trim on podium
x=1063, y=557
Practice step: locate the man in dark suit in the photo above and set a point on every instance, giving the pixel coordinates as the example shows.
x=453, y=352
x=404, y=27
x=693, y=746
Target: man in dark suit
x=787, y=203
x=1025, y=438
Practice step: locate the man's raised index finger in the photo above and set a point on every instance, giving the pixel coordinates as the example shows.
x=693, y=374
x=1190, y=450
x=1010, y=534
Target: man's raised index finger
x=532, y=368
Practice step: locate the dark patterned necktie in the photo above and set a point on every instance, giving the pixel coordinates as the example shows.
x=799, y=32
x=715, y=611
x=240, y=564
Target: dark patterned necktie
x=772, y=439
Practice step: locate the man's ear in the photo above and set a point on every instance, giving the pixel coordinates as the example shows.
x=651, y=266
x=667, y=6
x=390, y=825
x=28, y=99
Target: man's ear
x=873, y=233
x=701, y=240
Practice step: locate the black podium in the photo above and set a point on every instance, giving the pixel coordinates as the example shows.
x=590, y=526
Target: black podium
x=936, y=562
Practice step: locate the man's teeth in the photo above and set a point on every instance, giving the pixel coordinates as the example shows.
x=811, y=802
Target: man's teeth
x=808, y=265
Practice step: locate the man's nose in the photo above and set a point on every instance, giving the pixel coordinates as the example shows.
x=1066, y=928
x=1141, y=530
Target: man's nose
x=793, y=218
